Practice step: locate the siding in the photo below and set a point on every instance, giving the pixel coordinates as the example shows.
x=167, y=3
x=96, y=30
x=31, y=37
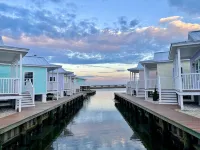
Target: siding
x=60, y=79
x=39, y=74
x=165, y=71
x=40, y=78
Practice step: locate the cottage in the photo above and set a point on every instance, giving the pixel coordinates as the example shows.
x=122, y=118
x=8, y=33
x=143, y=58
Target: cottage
x=35, y=74
x=187, y=83
x=162, y=80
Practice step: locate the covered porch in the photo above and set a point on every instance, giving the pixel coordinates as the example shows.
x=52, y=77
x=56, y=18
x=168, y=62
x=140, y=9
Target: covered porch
x=186, y=83
x=151, y=80
x=132, y=83
x=11, y=78
x=53, y=80
x=68, y=83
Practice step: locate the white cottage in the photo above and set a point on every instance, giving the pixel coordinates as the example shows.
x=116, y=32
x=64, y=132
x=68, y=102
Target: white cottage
x=187, y=83
x=158, y=74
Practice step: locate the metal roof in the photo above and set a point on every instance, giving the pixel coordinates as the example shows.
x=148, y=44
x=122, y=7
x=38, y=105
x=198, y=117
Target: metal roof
x=139, y=67
x=62, y=71
x=35, y=60
x=161, y=56
x=38, y=62
x=194, y=35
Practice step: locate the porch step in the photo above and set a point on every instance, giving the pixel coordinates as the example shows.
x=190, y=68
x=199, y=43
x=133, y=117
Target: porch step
x=26, y=101
x=141, y=93
x=168, y=97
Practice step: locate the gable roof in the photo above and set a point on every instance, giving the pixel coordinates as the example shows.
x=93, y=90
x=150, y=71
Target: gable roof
x=136, y=69
x=37, y=61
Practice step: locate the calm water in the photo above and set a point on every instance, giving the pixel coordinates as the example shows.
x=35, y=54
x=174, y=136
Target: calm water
x=98, y=126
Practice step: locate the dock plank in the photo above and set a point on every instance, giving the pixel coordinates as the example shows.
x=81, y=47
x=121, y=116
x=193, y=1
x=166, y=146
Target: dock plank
x=12, y=121
x=168, y=113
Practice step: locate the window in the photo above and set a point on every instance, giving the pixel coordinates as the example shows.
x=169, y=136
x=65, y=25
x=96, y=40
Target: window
x=28, y=76
x=52, y=78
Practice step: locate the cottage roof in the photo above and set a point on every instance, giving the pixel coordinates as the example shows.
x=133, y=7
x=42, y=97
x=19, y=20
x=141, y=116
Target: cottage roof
x=136, y=69
x=194, y=36
x=9, y=54
x=62, y=71
x=188, y=49
x=38, y=62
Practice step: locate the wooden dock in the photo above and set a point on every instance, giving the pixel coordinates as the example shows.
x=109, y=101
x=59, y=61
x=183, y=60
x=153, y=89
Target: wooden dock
x=168, y=113
x=12, y=121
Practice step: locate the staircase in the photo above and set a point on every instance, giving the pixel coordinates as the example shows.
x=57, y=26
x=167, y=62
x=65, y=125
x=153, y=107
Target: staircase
x=141, y=93
x=26, y=101
x=168, y=97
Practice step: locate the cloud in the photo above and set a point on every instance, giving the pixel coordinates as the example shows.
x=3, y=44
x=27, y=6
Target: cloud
x=169, y=19
x=190, y=6
x=62, y=38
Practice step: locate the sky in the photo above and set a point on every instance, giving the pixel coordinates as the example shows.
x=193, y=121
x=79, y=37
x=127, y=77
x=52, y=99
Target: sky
x=97, y=39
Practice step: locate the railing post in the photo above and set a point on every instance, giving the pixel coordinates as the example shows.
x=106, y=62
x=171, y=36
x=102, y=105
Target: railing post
x=159, y=88
x=20, y=81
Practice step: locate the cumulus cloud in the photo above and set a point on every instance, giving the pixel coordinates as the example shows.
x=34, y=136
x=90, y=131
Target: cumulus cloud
x=169, y=19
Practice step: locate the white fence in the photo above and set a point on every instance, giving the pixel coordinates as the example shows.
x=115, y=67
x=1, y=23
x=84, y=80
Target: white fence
x=9, y=85
x=191, y=81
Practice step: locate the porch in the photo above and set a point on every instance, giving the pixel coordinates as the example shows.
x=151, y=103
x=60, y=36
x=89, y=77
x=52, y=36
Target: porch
x=11, y=80
x=185, y=83
x=53, y=80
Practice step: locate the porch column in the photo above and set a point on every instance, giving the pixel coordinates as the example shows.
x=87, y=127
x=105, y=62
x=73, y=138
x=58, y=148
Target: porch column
x=179, y=70
x=180, y=79
x=20, y=74
x=57, y=84
x=134, y=76
x=145, y=81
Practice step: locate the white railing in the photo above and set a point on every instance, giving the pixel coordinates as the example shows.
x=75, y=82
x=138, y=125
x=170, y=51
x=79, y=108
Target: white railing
x=191, y=81
x=52, y=86
x=151, y=83
x=28, y=87
x=9, y=86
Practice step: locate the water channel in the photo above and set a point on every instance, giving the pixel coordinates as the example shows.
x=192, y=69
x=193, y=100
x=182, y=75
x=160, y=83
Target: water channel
x=98, y=126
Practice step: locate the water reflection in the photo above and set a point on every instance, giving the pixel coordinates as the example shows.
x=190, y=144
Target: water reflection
x=98, y=126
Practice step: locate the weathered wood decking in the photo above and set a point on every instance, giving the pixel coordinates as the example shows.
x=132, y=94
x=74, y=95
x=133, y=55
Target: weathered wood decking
x=167, y=113
x=27, y=114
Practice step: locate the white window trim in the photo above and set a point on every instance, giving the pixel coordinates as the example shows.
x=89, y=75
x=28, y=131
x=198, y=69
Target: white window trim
x=28, y=72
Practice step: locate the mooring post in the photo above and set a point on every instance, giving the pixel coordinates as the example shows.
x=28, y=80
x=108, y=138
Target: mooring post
x=165, y=133
x=24, y=134
x=51, y=118
x=187, y=141
x=40, y=124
